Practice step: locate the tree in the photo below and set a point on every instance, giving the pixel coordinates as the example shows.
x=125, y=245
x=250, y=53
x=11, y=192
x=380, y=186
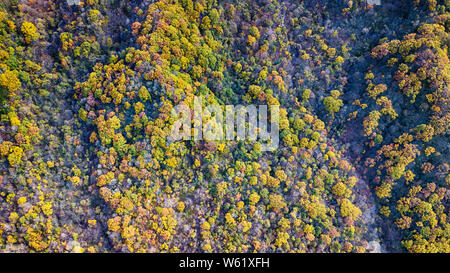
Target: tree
x=276, y=202
x=348, y=209
x=10, y=80
x=29, y=31
x=332, y=103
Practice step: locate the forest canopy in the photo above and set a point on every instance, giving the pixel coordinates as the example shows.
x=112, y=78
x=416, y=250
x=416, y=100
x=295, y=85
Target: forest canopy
x=87, y=95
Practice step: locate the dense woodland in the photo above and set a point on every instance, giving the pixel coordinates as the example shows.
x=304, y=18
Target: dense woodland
x=86, y=93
